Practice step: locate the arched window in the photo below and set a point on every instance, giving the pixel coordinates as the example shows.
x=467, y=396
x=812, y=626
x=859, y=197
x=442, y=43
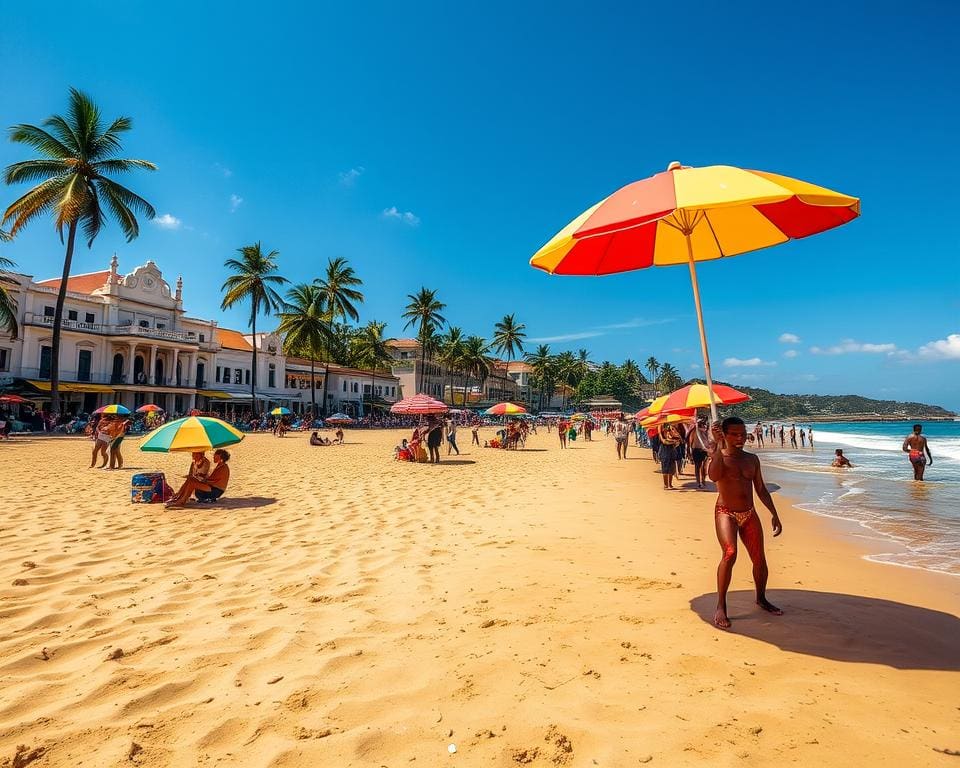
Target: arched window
x=116, y=376
x=158, y=372
x=138, y=375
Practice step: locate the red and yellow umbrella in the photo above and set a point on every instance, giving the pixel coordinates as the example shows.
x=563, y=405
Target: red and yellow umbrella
x=686, y=399
x=505, y=409
x=687, y=215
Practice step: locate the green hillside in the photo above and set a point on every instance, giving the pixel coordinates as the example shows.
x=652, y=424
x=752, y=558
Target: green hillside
x=768, y=405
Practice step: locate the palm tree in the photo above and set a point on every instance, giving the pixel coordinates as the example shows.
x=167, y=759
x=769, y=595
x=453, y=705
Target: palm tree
x=540, y=361
x=372, y=351
x=77, y=156
x=653, y=366
x=565, y=365
x=254, y=281
x=670, y=378
x=508, y=336
x=424, y=310
x=475, y=362
x=8, y=305
x=305, y=328
x=581, y=365
x=338, y=288
x=451, y=354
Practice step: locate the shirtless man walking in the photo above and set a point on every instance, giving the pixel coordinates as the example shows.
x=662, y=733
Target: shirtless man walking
x=916, y=444
x=621, y=430
x=737, y=475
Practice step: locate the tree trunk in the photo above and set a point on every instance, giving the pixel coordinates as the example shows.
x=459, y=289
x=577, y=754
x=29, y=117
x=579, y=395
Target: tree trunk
x=58, y=321
x=423, y=358
x=253, y=373
x=313, y=388
x=373, y=387
x=326, y=380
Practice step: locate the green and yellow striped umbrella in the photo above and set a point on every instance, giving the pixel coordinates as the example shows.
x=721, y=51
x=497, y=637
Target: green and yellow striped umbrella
x=193, y=433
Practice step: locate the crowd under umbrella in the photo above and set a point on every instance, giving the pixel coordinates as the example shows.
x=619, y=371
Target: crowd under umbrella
x=191, y=433
x=339, y=418
x=685, y=215
x=114, y=409
x=280, y=411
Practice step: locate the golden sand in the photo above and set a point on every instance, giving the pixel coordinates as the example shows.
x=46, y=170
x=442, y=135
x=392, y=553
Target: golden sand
x=533, y=608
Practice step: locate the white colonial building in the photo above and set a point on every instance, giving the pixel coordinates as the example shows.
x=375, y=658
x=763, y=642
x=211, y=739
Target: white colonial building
x=127, y=339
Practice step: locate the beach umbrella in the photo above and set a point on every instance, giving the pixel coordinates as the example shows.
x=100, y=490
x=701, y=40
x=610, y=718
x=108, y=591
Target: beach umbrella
x=116, y=408
x=660, y=419
x=418, y=405
x=686, y=215
x=192, y=433
x=12, y=399
x=695, y=396
x=280, y=412
x=149, y=408
x=505, y=409
x=339, y=418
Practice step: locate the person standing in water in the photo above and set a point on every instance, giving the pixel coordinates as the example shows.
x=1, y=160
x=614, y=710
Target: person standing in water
x=916, y=444
x=737, y=475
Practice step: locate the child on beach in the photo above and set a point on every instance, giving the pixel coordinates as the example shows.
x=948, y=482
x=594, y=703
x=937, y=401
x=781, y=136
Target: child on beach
x=737, y=475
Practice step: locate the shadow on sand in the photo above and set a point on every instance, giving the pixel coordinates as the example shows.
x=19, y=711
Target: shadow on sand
x=241, y=502
x=455, y=462
x=845, y=628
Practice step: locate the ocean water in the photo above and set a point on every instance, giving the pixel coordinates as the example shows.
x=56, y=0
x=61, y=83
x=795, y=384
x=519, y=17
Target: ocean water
x=909, y=523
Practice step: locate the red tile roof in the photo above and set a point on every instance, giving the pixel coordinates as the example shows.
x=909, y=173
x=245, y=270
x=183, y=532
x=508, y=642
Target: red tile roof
x=80, y=283
x=233, y=340
x=404, y=343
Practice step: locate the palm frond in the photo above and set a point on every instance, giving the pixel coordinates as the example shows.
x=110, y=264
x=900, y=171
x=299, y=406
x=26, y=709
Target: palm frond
x=85, y=116
x=39, y=200
x=41, y=141
x=122, y=213
x=36, y=170
x=108, y=143
x=66, y=134
x=118, y=165
x=132, y=200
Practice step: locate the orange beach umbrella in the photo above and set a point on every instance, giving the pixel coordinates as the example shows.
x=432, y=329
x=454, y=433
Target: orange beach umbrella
x=685, y=215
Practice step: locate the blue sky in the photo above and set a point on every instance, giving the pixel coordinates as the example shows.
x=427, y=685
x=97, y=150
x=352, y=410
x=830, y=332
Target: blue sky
x=438, y=144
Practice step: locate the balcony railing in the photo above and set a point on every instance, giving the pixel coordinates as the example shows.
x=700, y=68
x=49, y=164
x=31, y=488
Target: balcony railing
x=31, y=318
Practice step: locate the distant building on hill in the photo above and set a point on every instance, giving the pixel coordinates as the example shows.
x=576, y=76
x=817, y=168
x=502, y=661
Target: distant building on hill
x=127, y=339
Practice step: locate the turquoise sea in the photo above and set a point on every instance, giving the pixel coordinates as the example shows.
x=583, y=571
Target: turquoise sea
x=912, y=524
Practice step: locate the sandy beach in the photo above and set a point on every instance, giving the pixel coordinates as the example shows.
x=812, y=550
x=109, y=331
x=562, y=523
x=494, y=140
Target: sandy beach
x=533, y=608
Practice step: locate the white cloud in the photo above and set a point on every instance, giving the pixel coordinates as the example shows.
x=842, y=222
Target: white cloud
x=694, y=366
x=349, y=178
x=791, y=353
x=808, y=377
x=789, y=338
x=752, y=362
x=943, y=349
x=747, y=376
x=235, y=202
x=226, y=172
x=849, y=345
x=567, y=337
x=167, y=221
x=407, y=217
x=637, y=322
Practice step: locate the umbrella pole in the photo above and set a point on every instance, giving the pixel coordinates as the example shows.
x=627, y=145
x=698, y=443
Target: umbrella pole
x=703, y=333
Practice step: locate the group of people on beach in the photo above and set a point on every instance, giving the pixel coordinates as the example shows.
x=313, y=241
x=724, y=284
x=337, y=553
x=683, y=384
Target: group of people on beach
x=424, y=444
x=201, y=482
x=771, y=432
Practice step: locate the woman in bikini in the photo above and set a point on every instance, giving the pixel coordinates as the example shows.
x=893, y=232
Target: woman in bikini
x=208, y=487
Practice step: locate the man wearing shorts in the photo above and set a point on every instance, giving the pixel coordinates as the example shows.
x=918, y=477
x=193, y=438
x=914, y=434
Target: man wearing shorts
x=621, y=431
x=737, y=475
x=699, y=443
x=916, y=444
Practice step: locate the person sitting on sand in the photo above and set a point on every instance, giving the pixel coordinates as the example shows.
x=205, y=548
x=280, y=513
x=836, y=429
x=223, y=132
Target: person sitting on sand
x=737, y=475
x=839, y=460
x=402, y=452
x=316, y=440
x=199, y=469
x=209, y=487
x=339, y=436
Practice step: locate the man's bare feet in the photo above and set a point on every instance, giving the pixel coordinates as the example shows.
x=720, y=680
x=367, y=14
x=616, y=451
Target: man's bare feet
x=720, y=619
x=769, y=607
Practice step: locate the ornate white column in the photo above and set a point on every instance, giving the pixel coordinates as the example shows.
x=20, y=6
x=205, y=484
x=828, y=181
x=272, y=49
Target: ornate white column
x=131, y=357
x=153, y=366
x=191, y=369
x=173, y=366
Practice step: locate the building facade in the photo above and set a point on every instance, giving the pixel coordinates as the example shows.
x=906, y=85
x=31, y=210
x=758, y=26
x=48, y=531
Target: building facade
x=127, y=339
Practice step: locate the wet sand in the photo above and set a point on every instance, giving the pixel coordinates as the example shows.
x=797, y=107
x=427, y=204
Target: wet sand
x=533, y=608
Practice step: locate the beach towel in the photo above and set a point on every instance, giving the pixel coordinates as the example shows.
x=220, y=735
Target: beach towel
x=150, y=488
